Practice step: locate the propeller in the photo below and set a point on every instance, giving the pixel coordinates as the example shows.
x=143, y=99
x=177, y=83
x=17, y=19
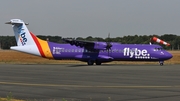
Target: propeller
x=109, y=45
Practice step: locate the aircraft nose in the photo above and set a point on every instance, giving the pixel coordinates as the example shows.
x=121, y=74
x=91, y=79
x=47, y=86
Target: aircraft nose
x=168, y=55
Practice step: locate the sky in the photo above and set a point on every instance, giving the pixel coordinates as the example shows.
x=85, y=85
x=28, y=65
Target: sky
x=96, y=18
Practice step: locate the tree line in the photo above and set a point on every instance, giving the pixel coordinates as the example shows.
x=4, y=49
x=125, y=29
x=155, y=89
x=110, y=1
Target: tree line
x=7, y=41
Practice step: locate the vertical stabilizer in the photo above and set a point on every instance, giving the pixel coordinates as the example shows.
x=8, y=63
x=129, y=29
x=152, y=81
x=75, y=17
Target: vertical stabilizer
x=27, y=42
x=22, y=34
x=24, y=38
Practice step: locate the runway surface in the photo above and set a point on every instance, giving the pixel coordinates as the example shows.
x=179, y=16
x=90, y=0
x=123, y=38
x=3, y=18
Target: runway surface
x=91, y=83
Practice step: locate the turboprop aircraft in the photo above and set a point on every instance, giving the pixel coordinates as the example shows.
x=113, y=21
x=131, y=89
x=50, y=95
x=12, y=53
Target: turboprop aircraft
x=86, y=51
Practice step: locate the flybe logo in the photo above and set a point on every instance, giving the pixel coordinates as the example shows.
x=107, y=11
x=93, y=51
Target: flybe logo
x=137, y=53
x=22, y=35
x=23, y=38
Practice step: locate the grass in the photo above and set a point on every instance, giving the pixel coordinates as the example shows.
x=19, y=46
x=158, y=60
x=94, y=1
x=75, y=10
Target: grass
x=9, y=56
x=14, y=57
x=9, y=97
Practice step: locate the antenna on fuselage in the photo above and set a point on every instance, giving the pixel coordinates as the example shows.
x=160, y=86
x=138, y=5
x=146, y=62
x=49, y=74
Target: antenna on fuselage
x=150, y=43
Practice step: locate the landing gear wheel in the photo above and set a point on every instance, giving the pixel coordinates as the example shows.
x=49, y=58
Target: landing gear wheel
x=161, y=63
x=90, y=62
x=98, y=63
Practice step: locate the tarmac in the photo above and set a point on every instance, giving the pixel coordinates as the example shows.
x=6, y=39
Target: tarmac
x=91, y=83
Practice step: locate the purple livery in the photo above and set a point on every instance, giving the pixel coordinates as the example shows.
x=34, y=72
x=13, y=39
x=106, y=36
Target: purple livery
x=86, y=51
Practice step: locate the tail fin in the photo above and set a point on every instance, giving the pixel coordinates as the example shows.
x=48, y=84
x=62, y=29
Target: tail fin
x=22, y=34
x=27, y=42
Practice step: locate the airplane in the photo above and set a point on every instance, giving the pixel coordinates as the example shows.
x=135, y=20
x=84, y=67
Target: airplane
x=86, y=51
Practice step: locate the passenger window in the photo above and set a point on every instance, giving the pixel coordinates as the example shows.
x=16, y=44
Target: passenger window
x=116, y=50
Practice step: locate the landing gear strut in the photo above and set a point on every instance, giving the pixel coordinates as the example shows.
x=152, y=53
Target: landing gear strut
x=90, y=62
x=161, y=63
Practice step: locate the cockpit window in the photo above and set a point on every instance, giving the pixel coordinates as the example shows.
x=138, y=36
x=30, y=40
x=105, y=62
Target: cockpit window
x=158, y=49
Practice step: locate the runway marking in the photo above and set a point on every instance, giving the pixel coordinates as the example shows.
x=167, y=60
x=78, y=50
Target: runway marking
x=84, y=86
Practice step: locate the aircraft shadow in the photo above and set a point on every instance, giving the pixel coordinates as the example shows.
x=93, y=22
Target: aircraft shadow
x=109, y=65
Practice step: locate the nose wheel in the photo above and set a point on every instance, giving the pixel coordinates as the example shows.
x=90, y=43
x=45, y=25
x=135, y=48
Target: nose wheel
x=161, y=63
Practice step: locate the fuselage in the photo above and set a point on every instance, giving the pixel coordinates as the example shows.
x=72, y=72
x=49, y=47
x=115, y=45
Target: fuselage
x=118, y=52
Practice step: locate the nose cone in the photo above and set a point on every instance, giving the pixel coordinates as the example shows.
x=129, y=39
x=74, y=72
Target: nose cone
x=167, y=55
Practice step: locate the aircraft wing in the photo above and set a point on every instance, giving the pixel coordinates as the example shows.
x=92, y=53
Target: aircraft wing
x=89, y=44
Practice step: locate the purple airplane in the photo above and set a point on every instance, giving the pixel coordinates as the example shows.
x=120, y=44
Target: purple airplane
x=86, y=51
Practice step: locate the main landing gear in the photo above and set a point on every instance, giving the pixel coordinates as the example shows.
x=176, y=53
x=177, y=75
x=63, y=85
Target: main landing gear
x=91, y=62
x=161, y=63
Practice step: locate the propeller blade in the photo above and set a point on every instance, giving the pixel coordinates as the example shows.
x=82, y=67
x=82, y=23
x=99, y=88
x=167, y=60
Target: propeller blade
x=109, y=45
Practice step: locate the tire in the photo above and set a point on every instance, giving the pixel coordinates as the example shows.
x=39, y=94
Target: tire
x=90, y=62
x=161, y=64
x=98, y=63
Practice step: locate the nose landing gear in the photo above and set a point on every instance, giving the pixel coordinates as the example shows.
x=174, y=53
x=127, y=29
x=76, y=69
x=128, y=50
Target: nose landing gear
x=161, y=63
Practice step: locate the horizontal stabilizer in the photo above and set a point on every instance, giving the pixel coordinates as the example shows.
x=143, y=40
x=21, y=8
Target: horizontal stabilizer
x=16, y=21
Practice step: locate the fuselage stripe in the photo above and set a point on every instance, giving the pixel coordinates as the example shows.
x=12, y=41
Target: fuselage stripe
x=38, y=44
